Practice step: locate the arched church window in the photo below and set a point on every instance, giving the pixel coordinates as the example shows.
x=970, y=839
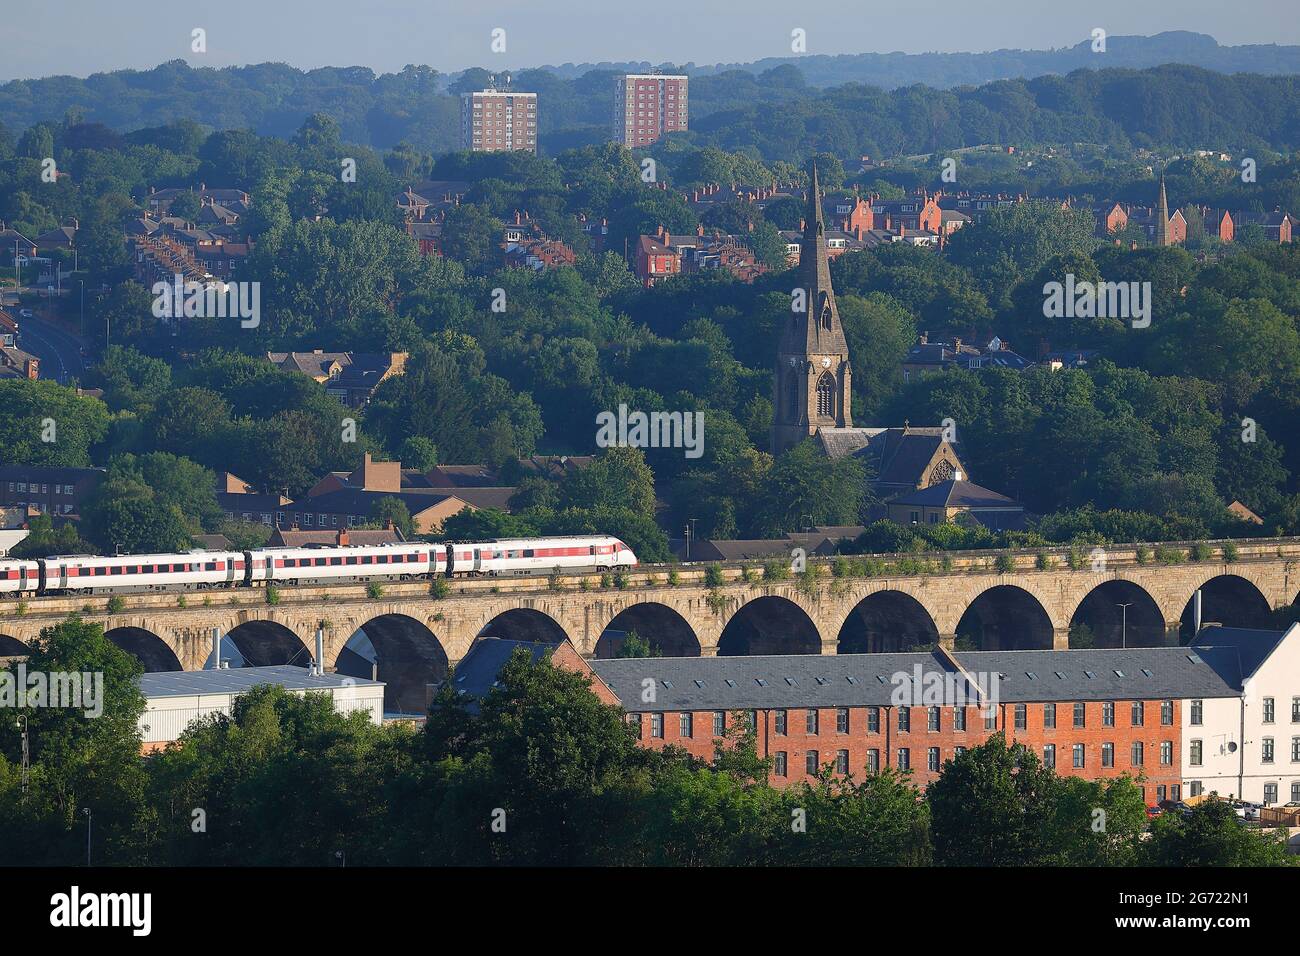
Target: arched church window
x=825, y=311
x=826, y=396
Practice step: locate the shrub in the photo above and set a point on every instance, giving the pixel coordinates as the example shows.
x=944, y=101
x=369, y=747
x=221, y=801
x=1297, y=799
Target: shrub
x=605, y=581
x=1171, y=555
x=717, y=602
x=180, y=600
x=374, y=590
x=1201, y=551
x=1005, y=564
x=713, y=575
x=841, y=567
x=1044, y=561
x=775, y=570
x=116, y=604
x=674, y=578
x=620, y=580
x=439, y=588
x=749, y=575
x=1075, y=558
x=1142, y=554
x=1230, y=551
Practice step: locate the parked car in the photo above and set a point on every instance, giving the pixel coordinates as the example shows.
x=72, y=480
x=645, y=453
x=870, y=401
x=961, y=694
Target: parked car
x=1154, y=811
x=1175, y=806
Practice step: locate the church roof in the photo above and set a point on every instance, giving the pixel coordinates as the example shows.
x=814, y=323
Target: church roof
x=898, y=456
x=956, y=494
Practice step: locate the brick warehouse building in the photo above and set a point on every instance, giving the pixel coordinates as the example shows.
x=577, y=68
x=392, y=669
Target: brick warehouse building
x=1096, y=714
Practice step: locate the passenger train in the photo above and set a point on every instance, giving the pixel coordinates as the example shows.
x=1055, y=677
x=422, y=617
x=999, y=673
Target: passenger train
x=205, y=570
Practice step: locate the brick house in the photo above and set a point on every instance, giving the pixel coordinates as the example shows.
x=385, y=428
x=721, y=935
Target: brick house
x=49, y=490
x=1096, y=714
x=655, y=258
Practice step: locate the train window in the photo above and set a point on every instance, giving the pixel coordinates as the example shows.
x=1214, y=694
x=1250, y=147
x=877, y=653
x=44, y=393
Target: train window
x=320, y=562
x=210, y=566
x=336, y=562
x=381, y=559
x=368, y=559
x=101, y=571
x=528, y=552
x=351, y=559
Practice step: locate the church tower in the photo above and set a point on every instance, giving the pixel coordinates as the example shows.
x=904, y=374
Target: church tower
x=1162, y=216
x=813, y=376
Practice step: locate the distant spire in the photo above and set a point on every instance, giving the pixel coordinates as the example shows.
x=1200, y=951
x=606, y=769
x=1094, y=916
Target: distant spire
x=1162, y=215
x=813, y=224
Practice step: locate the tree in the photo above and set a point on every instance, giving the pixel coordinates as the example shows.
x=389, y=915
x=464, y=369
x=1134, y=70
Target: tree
x=47, y=424
x=1211, y=835
x=82, y=756
x=393, y=509
x=988, y=806
x=805, y=487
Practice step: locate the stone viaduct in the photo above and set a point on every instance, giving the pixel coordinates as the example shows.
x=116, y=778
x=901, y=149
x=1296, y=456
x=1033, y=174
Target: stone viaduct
x=408, y=635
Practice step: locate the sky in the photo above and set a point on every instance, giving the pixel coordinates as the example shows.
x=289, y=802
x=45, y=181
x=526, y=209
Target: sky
x=80, y=37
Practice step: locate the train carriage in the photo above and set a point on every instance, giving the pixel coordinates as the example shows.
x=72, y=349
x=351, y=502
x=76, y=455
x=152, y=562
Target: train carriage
x=19, y=577
x=306, y=565
x=195, y=570
x=541, y=555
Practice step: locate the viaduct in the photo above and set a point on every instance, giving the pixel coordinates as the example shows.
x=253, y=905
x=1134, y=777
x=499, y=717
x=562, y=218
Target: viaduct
x=408, y=633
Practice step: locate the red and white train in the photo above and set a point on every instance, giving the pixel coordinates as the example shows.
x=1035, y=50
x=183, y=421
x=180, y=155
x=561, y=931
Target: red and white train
x=205, y=570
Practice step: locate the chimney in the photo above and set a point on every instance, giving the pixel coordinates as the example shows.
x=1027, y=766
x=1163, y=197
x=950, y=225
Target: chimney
x=343, y=538
x=216, y=649
x=699, y=230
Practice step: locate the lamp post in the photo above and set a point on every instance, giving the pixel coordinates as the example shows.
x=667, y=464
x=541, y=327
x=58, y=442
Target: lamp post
x=86, y=811
x=1123, y=640
x=21, y=723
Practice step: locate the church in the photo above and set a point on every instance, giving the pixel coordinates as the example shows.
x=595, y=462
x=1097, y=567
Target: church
x=812, y=391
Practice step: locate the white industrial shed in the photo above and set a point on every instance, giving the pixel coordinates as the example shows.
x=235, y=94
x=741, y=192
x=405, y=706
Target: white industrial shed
x=175, y=698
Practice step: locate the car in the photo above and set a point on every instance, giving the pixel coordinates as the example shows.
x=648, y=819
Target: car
x=1154, y=811
x=1175, y=806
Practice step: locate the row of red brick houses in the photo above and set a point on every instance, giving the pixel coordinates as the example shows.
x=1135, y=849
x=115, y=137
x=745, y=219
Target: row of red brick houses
x=1156, y=714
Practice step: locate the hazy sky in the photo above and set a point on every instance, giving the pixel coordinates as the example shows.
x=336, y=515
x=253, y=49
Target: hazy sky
x=80, y=37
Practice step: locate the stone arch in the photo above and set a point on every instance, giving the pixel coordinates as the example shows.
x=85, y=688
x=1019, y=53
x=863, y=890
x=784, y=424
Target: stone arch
x=887, y=621
x=1108, y=625
x=1005, y=617
x=400, y=651
x=769, y=625
x=262, y=643
x=12, y=647
x=525, y=624
x=147, y=647
x=1227, y=599
x=667, y=631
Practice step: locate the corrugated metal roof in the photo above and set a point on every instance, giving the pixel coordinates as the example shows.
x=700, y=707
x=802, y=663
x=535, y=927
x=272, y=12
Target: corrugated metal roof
x=237, y=680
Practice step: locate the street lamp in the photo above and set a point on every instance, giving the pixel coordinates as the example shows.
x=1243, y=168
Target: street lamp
x=342, y=857
x=21, y=723
x=86, y=811
x=1123, y=641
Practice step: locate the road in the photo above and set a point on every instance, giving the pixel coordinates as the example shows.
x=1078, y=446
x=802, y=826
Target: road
x=58, y=349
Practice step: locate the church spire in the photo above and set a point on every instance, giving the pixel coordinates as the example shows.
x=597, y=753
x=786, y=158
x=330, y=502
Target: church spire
x=812, y=364
x=1162, y=215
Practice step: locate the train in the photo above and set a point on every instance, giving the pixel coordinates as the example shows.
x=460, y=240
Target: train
x=208, y=570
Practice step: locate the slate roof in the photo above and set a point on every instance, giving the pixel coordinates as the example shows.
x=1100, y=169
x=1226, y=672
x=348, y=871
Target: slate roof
x=237, y=680
x=1173, y=672
x=858, y=680
x=1237, y=651
x=476, y=674
x=955, y=494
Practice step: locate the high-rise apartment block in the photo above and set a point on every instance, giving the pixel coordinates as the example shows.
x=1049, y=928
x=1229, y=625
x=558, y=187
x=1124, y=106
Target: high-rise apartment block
x=648, y=105
x=498, y=120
